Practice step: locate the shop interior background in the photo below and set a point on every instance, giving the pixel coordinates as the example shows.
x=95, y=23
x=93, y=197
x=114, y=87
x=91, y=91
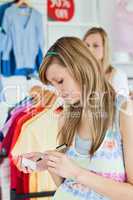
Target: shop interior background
x=115, y=16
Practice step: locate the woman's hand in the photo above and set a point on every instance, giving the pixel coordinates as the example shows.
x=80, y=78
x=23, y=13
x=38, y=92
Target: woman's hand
x=61, y=165
x=40, y=165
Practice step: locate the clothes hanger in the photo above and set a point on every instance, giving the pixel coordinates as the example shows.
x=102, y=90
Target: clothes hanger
x=20, y=3
x=23, y=3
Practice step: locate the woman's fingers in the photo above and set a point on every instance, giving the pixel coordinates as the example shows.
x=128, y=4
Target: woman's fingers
x=41, y=165
x=29, y=155
x=34, y=156
x=51, y=164
x=54, y=153
x=48, y=159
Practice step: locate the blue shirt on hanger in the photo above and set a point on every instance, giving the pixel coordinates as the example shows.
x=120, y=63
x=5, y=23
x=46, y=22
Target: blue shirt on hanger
x=3, y=7
x=6, y=68
x=2, y=41
x=24, y=29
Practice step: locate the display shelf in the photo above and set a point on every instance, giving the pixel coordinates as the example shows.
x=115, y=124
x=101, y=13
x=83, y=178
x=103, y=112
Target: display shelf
x=50, y=23
x=84, y=17
x=123, y=63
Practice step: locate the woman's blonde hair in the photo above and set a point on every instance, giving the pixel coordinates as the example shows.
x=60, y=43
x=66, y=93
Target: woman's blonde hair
x=107, y=67
x=97, y=94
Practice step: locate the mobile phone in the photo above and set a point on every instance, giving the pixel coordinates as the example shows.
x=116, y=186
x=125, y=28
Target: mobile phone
x=29, y=163
x=61, y=148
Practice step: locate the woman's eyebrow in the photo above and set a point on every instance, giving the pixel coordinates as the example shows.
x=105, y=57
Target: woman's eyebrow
x=50, y=81
x=56, y=78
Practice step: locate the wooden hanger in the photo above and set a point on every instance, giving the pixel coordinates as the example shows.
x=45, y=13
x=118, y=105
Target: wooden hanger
x=23, y=2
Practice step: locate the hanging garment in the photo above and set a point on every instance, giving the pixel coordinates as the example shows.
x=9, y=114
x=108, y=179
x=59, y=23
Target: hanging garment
x=3, y=117
x=2, y=47
x=3, y=7
x=43, y=119
x=7, y=71
x=12, y=114
x=39, y=134
x=2, y=40
x=16, y=175
x=6, y=143
x=5, y=180
x=19, y=180
x=24, y=29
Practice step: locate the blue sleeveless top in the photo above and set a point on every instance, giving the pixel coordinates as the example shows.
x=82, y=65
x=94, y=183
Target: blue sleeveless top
x=107, y=161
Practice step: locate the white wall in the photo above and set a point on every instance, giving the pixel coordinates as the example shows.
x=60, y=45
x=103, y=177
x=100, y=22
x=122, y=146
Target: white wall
x=106, y=11
x=87, y=13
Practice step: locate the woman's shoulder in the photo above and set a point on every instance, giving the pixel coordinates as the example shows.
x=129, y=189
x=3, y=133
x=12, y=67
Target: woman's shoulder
x=119, y=74
x=126, y=108
x=120, y=82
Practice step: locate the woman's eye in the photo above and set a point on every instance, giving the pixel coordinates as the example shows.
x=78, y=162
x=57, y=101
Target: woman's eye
x=60, y=82
x=95, y=45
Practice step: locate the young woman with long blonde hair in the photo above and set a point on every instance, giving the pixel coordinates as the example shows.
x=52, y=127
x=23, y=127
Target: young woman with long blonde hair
x=96, y=125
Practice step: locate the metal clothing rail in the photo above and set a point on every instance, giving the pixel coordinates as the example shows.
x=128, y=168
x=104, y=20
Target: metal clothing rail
x=15, y=196
x=3, y=154
x=130, y=78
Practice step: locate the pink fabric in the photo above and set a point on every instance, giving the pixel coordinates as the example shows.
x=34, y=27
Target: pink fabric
x=14, y=114
x=114, y=176
x=124, y=27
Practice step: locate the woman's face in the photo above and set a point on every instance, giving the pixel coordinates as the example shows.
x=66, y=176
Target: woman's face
x=95, y=45
x=65, y=84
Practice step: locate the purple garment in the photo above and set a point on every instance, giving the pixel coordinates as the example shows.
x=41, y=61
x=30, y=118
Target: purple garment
x=6, y=143
x=14, y=114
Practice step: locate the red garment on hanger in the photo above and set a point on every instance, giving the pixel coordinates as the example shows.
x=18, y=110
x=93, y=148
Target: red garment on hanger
x=19, y=180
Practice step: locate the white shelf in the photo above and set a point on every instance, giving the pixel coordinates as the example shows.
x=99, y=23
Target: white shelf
x=123, y=63
x=70, y=24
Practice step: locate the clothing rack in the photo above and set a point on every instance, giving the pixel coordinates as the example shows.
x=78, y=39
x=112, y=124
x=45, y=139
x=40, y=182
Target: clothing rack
x=3, y=153
x=130, y=78
x=15, y=196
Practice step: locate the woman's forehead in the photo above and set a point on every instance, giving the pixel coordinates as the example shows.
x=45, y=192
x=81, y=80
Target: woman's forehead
x=54, y=71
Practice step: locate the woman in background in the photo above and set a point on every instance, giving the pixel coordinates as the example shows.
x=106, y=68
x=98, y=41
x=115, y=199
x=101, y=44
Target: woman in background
x=97, y=41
